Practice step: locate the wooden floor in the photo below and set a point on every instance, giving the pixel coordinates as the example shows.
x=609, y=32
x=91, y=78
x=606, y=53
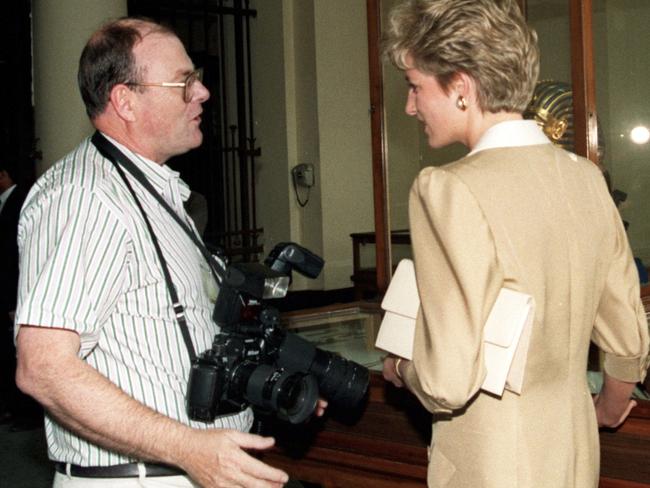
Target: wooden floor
x=386, y=447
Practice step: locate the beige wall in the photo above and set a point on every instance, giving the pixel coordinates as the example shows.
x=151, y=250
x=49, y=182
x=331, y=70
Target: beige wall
x=344, y=131
x=269, y=102
x=311, y=105
x=302, y=128
x=60, y=30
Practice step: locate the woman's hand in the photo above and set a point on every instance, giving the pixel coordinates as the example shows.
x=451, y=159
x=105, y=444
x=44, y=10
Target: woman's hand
x=393, y=370
x=613, y=403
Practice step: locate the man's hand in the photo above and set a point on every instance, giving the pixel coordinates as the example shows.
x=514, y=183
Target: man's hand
x=216, y=458
x=613, y=403
x=390, y=371
x=219, y=458
x=320, y=407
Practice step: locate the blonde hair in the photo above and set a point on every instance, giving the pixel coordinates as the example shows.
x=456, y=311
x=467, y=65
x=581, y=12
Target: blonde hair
x=488, y=40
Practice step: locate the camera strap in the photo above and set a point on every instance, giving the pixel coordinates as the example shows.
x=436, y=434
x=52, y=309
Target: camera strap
x=119, y=160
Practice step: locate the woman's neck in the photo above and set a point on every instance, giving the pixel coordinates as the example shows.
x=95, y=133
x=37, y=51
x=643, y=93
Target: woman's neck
x=483, y=121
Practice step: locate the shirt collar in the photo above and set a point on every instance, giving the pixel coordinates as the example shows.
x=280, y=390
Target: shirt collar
x=4, y=196
x=160, y=175
x=511, y=133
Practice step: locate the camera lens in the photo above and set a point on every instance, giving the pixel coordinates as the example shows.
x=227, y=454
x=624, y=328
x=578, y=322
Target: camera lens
x=292, y=396
x=297, y=398
x=341, y=381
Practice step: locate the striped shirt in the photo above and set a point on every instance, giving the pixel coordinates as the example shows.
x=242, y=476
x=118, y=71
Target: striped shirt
x=88, y=264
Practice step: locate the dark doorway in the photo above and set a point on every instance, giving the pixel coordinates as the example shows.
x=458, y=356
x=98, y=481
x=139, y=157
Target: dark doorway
x=17, y=122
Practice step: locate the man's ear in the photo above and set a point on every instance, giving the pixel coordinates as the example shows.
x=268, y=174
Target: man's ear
x=122, y=101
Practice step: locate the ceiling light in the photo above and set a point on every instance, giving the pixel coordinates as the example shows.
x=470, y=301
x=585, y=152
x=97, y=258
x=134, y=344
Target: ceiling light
x=640, y=135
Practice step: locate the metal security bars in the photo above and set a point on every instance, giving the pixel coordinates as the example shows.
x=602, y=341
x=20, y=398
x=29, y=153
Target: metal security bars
x=217, y=34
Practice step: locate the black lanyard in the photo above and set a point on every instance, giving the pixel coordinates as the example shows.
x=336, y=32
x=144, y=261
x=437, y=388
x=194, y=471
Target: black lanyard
x=119, y=160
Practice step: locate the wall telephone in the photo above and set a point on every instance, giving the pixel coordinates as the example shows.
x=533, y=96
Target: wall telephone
x=303, y=175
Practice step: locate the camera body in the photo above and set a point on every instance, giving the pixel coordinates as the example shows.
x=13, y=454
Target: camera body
x=241, y=369
x=253, y=361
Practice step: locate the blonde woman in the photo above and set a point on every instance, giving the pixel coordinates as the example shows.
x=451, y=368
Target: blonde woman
x=520, y=213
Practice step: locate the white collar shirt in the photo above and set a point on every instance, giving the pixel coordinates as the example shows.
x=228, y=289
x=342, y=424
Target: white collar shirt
x=511, y=133
x=4, y=196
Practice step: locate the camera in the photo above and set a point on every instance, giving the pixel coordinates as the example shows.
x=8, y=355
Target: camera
x=253, y=361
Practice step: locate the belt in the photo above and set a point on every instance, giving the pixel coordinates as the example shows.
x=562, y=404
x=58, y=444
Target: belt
x=118, y=471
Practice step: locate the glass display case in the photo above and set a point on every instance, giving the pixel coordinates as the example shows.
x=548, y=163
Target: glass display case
x=622, y=70
x=347, y=329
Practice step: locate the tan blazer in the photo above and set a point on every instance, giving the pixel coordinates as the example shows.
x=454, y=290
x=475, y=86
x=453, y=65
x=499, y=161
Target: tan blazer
x=539, y=220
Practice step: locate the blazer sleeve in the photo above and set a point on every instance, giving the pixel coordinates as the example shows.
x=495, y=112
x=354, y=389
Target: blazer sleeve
x=621, y=327
x=458, y=278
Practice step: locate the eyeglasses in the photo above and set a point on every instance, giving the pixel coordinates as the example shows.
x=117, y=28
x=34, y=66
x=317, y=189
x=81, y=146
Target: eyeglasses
x=193, y=77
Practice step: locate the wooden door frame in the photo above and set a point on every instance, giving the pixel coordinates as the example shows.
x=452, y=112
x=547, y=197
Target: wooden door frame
x=379, y=166
x=583, y=79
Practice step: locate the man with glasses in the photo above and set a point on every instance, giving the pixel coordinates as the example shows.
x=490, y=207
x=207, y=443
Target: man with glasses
x=97, y=338
x=186, y=85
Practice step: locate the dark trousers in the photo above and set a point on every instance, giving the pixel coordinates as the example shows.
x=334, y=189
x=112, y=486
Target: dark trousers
x=21, y=407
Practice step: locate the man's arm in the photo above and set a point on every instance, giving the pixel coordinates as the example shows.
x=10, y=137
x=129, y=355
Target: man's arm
x=614, y=403
x=90, y=405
